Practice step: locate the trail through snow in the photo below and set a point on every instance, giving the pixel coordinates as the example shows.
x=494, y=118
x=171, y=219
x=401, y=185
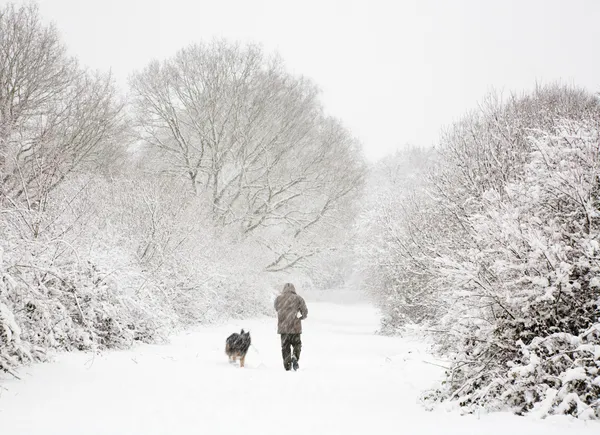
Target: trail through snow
x=350, y=382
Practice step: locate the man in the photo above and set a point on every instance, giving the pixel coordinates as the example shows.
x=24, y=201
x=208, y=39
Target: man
x=291, y=310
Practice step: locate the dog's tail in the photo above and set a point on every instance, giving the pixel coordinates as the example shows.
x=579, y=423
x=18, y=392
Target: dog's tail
x=227, y=348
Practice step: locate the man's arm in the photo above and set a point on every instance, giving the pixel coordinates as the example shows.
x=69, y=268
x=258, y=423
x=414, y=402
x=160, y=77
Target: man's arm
x=276, y=304
x=303, y=309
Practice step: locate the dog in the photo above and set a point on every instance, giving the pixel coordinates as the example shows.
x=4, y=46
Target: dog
x=237, y=345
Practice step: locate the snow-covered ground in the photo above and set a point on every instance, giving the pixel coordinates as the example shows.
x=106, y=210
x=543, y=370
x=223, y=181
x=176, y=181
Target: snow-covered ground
x=350, y=382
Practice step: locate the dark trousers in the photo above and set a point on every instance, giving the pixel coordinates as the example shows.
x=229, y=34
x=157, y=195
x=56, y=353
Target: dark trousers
x=287, y=341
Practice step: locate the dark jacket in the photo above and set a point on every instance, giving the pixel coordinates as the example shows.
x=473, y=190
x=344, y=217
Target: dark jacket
x=288, y=304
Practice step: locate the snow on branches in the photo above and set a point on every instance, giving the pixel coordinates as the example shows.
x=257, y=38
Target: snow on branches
x=112, y=231
x=499, y=245
x=526, y=318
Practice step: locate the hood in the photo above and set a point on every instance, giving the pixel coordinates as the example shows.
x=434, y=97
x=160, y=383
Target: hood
x=289, y=288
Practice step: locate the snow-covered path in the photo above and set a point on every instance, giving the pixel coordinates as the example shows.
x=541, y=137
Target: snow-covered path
x=350, y=382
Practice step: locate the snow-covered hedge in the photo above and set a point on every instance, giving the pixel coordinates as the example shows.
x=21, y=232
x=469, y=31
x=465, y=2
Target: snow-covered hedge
x=125, y=262
x=503, y=242
x=526, y=316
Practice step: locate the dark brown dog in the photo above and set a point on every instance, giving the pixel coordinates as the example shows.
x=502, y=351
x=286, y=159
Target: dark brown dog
x=237, y=345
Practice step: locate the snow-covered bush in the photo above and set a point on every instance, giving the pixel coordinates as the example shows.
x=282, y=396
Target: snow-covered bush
x=56, y=119
x=12, y=350
x=395, y=228
x=526, y=314
x=127, y=260
x=63, y=299
x=500, y=242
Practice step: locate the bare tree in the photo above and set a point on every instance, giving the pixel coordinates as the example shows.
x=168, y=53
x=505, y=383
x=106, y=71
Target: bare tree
x=54, y=117
x=250, y=137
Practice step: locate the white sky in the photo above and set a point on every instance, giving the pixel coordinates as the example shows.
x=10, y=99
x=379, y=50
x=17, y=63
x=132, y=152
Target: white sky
x=394, y=71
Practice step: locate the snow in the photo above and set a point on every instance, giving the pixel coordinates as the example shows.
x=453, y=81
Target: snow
x=350, y=382
x=575, y=374
x=544, y=407
x=8, y=326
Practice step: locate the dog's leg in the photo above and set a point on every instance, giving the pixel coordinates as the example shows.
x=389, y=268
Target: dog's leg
x=242, y=360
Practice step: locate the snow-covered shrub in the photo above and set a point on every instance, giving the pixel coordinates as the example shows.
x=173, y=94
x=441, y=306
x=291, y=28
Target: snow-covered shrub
x=396, y=227
x=499, y=245
x=526, y=316
x=126, y=261
x=518, y=186
x=12, y=351
x=63, y=301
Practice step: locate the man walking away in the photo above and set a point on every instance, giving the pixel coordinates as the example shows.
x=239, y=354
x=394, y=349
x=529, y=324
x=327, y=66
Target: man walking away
x=291, y=310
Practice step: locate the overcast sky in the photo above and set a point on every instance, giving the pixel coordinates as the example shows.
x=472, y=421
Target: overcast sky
x=394, y=71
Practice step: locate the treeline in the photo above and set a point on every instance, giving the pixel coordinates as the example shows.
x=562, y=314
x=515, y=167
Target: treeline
x=490, y=243
x=215, y=178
